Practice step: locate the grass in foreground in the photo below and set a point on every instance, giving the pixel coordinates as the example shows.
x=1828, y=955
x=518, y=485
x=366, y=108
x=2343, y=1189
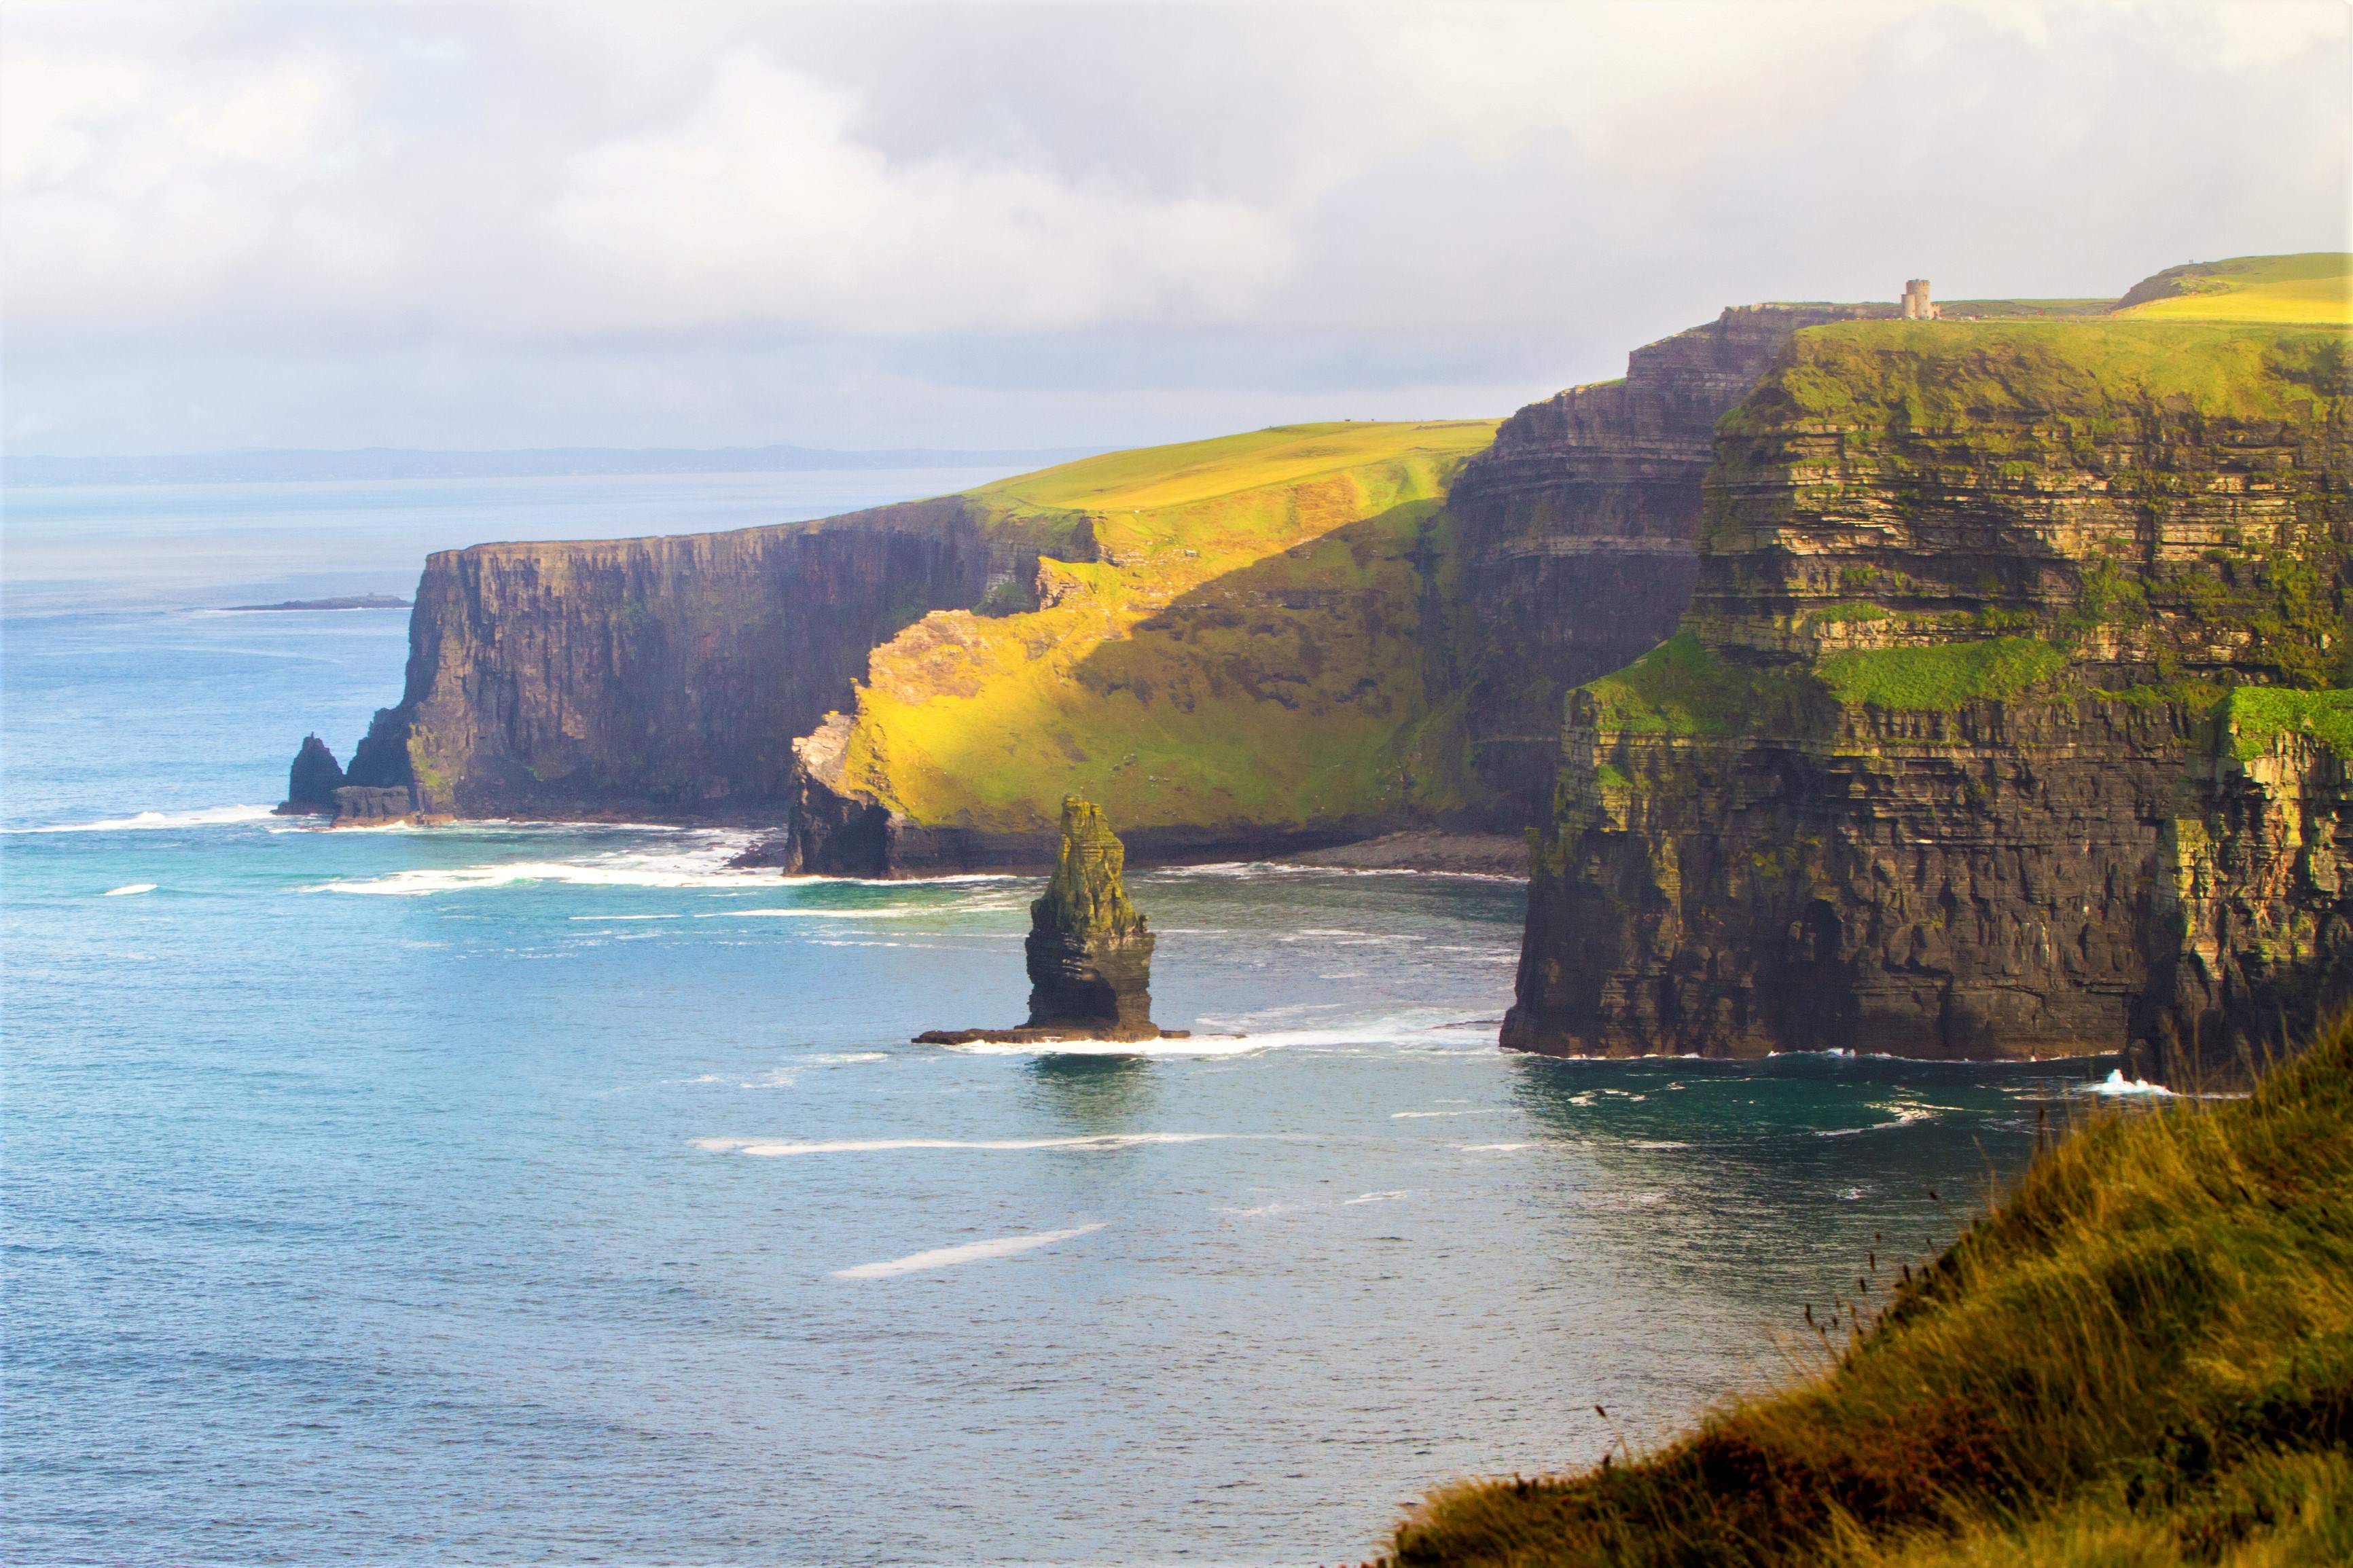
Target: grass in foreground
x=2145, y=1356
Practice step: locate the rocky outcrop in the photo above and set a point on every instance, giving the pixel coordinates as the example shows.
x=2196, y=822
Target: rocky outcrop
x=364, y=805
x=1928, y=770
x=1579, y=528
x=312, y=781
x=665, y=678
x=1089, y=953
x=2254, y=891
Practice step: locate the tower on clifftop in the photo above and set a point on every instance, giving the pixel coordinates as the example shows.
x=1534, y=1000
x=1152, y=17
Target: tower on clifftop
x=1918, y=307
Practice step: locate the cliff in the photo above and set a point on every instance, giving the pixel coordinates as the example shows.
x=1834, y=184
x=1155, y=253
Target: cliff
x=660, y=677
x=1579, y=528
x=1915, y=774
x=1254, y=663
x=1235, y=645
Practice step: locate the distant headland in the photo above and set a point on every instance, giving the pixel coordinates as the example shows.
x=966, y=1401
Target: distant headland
x=346, y=602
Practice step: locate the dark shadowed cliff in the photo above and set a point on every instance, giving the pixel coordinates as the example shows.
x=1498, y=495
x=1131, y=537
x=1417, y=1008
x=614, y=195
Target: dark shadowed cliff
x=669, y=675
x=1579, y=531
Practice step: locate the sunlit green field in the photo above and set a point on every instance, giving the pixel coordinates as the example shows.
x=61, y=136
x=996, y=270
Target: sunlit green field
x=2316, y=286
x=1249, y=650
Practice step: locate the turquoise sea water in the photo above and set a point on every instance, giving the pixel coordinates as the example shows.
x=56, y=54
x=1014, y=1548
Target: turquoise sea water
x=519, y=1193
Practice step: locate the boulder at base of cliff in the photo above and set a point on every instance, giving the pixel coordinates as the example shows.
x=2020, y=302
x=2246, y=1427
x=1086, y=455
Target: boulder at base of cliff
x=1089, y=952
x=312, y=781
x=360, y=806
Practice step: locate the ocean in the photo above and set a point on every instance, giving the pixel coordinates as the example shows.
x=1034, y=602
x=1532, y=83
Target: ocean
x=552, y=1192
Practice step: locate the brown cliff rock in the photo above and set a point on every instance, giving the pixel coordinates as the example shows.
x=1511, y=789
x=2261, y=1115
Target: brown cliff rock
x=1580, y=529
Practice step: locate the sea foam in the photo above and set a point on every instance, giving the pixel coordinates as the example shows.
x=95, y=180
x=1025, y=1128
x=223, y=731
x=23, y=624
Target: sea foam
x=769, y=1148
x=145, y=821
x=970, y=1252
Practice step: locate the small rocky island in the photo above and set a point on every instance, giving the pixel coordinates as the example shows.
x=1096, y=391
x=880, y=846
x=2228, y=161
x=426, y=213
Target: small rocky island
x=1089, y=952
x=316, y=785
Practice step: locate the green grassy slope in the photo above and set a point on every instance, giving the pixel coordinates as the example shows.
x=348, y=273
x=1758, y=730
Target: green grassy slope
x=2144, y=1356
x=2316, y=286
x=1252, y=647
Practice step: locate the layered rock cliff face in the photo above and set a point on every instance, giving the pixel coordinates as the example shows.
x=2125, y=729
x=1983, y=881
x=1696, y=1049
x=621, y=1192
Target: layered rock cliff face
x=2255, y=869
x=1229, y=642
x=1578, y=533
x=1921, y=773
x=666, y=676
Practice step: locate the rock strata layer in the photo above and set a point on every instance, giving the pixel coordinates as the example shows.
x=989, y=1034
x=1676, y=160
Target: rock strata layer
x=654, y=676
x=1089, y=952
x=1579, y=535
x=1962, y=751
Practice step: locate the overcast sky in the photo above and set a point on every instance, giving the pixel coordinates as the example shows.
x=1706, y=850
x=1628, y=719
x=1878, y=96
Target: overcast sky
x=658, y=223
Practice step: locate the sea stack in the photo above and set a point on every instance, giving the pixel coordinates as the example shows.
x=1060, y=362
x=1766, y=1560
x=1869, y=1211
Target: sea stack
x=312, y=781
x=1089, y=952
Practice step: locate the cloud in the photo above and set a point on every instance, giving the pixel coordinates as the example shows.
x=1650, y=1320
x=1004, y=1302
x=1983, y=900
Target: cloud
x=761, y=205
x=262, y=224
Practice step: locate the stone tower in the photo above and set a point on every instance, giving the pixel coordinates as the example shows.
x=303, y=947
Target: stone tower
x=1918, y=307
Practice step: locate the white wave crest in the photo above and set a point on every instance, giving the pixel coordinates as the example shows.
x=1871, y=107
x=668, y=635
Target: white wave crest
x=206, y=816
x=1197, y=1046
x=130, y=890
x=773, y=1148
x=2116, y=1085
x=1903, y=1113
x=704, y=867
x=889, y=912
x=1404, y=1033
x=970, y=1252
x=1494, y=1148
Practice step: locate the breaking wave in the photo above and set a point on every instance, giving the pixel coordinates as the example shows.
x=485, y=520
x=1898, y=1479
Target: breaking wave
x=2117, y=1086
x=145, y=821
x=776, y=1148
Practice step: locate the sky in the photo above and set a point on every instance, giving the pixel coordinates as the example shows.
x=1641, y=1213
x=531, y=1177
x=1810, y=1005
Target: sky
x=481, y=225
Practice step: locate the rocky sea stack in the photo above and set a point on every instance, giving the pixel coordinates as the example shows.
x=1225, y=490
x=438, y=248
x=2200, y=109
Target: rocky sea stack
x=312, y=781
x=1089, y=952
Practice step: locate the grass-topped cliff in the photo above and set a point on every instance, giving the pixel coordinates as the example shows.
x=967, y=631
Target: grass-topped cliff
x=2313, y=287
x=1256, y=644
x=2143, y=1357
x=1947, y=758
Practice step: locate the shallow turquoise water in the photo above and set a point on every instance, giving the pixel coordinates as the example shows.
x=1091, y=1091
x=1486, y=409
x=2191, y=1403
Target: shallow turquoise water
x=520, y=1193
